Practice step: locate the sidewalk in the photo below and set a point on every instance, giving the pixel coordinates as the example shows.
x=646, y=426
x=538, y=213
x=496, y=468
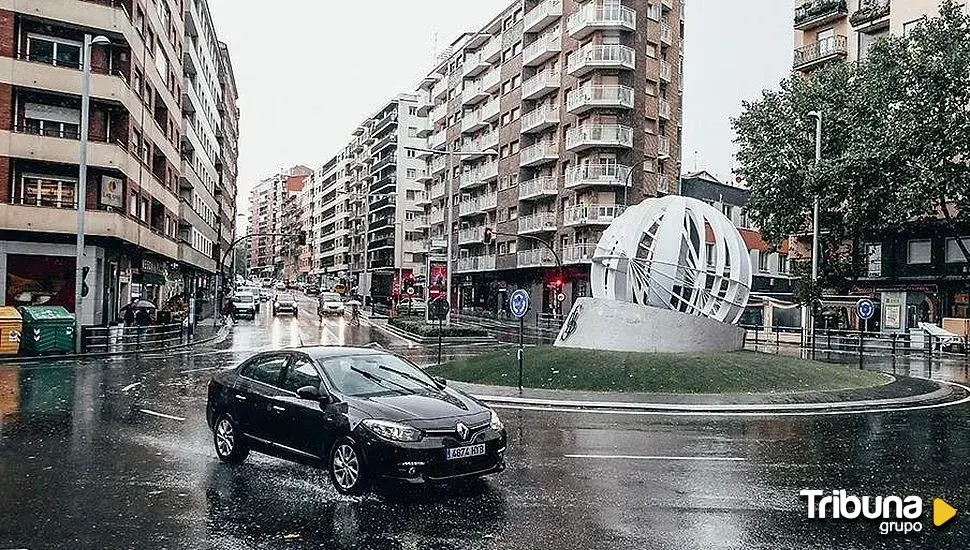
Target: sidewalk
x=901, y=391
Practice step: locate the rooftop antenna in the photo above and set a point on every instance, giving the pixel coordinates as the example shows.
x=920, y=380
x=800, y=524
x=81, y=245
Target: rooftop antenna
x=695, y=160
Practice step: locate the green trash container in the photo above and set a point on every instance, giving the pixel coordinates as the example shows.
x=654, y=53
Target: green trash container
x=47, y=330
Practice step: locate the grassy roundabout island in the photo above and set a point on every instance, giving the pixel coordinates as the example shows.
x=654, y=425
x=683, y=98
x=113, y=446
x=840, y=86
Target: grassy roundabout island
x=709, y=373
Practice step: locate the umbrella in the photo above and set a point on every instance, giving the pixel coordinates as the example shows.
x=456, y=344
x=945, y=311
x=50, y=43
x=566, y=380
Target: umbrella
x=139, y=304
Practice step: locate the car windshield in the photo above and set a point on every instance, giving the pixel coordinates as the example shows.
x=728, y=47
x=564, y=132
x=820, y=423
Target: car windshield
x=330, y=297
x=364, y=375
x=285, y=297
x=245, y=298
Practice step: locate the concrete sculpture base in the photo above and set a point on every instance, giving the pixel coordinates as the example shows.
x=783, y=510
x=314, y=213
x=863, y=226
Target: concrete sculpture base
x=596, y=323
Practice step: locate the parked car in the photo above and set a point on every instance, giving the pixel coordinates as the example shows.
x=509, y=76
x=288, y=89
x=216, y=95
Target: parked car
x=312, y=290
x=284, y=302
x=244, y=304
x=333, y=304
x=265, y=294
x=279, y=286
x=362, y=414
x=254, y=291
x=415, y=306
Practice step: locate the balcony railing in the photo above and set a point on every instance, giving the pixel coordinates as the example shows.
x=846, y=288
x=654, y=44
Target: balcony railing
x=474, y=65
x=436, y=217
x=537, y=223
x=539, y=119
x=665, y=72
x=666, y=34
x=612, y=96
x=542, y=15
x=869, y=11
x=823, y=50
x=578, y=253
x=592, y=214
x=819, y=12
x=544, y=151
x=663, y=147
x=546, y=47
x=492, y=80
x=490, y=111
x=593, y=17
x=599, y=135
x=589, y=175
x=439, y=164
x=472, y=122
x=438, y=139
x=601, y=56
x=543, y=186
x=439, y=113
x=476, y=263
x=537, y=257
x=664, y=109
x=473, y=93
x=541, y=84
x=471, y=235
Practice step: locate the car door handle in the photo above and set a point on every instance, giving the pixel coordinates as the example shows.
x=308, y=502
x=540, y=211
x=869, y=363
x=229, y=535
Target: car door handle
x=240, y=397
x=278, y=408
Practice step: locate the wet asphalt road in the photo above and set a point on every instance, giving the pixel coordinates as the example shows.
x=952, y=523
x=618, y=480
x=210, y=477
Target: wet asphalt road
x=83, y=465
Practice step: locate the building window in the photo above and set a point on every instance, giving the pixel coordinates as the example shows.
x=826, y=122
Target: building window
x=412, y=173
x=48, y=191
x=654, y=11
x=874, y=260
x=412, y=110
x=54, y=51
x=412, y=131
x=919, y=251
x=52, y=120
x=782, y=263
x=762, y=261
x=953, y=253
x=513, y=213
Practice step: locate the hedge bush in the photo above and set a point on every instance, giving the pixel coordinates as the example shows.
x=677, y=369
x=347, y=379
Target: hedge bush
x=417, y=326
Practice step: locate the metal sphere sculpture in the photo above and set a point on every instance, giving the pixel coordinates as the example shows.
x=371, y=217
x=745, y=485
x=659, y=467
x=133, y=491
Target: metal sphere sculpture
x=675, y=253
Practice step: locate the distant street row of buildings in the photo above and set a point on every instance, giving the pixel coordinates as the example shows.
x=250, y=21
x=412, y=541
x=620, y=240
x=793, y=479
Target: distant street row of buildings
x=161, y=187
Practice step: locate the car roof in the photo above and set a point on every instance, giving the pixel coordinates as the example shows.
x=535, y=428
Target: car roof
x=329, y=352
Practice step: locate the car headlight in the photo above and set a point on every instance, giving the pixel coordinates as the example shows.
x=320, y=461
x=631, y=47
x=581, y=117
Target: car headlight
x=393, y=430
x=496, y=423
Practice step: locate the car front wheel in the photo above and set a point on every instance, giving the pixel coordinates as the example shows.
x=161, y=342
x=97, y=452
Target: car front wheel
x=229, y=448
x=347, y=470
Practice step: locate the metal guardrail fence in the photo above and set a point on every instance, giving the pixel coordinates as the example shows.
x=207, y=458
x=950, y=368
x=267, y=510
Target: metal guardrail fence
x=543, y=330
x=115, y=339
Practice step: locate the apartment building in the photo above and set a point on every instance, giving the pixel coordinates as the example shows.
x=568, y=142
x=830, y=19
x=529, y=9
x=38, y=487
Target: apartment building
x=581, y=101
x=274, y=211
x=227, y=134
x=386, y=197
x=329, y=234
x=845, y=29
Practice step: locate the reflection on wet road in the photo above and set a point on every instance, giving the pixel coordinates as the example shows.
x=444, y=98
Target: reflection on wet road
x=82, y=465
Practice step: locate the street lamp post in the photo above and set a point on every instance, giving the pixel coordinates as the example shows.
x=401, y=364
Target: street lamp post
x=82, y=182
x=815, y=230
x=449, y=186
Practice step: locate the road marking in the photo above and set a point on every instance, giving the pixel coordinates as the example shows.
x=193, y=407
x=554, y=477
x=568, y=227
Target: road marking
x=163, y=415
x=130, y=387
x=638, y=457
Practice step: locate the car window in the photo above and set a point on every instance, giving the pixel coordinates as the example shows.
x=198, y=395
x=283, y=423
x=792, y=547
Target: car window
x=287, y=297
x=362, y=375
x=266, y=370
x=244, y=298
x=330, y=296
x=301, y=373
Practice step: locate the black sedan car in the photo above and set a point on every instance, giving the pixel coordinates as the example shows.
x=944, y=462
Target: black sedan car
x=363, y=414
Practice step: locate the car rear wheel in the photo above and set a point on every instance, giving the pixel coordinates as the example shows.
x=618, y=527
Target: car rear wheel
x=347, y=471
x=229, y=448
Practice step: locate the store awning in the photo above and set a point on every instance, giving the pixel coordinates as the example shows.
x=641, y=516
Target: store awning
x=149, y=278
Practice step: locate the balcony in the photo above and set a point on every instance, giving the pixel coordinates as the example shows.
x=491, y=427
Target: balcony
x=491, y=51
x=666, y=34
x=593, y=17
x=439, y=164
x=475, y=148
x=436, y=217
x=439, y=113
x=421, y=198
x=540, y=153
x=592, y=97
x=474, y=65
x=602, y=56
x=819, y=52
x=438, y=139
x=667, y=185
x=490, y=111
x=421, y=222
x=870, y=12
x=819, y=12
x=592, y=175
x=543, y=49
x=539, y=119
x=663, y=147
x=664, y=109
x=473, y=94
x=599, y=135
x=489, y=171
x=492, y=80
x=537, y=223
x=437, y=191
x=471, y=179
x=489, y=141
x=440, y=90
x=541, y=84
x=472, y=122
x=472, y=235
x=665, y=72
x=542, y=16
x=537, y=257
x=542, y=186
x=475, y=263
x=591, y=214
x=578, y=253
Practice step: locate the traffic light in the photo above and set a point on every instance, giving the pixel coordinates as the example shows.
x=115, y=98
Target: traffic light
x=556, y=283
x=301, y=238
x=487, y=236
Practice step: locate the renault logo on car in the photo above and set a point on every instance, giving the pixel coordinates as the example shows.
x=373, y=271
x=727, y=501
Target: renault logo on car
x=462, y=430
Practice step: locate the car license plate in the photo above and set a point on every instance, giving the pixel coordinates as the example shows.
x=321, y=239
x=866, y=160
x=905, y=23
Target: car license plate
x=465, y=452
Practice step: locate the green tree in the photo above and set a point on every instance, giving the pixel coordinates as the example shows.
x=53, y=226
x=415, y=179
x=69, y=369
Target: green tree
x=896, y=140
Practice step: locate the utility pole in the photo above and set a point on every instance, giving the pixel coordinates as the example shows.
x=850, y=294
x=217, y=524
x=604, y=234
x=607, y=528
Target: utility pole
x=815, y=229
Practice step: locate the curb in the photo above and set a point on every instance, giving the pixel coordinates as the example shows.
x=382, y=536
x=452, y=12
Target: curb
x=221, y=335
x=434, y=339
x=944, y=392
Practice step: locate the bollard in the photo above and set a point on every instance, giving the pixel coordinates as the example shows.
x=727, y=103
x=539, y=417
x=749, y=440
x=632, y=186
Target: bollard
x=862, y=336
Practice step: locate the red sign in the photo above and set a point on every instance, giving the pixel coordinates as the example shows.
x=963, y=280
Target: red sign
x=437, y=279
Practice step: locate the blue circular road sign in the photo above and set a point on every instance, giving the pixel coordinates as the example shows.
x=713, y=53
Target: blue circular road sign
x=519, y=303
x=864, y=308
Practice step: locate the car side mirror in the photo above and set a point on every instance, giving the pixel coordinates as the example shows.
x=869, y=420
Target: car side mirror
x=313, y=394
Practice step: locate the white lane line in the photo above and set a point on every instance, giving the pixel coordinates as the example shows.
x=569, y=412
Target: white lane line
x=639, y=457
x=130, y=387
x=163, y=415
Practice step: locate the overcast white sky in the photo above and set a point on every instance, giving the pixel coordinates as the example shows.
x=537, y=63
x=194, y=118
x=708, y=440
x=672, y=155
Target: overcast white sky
x=309, y=71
